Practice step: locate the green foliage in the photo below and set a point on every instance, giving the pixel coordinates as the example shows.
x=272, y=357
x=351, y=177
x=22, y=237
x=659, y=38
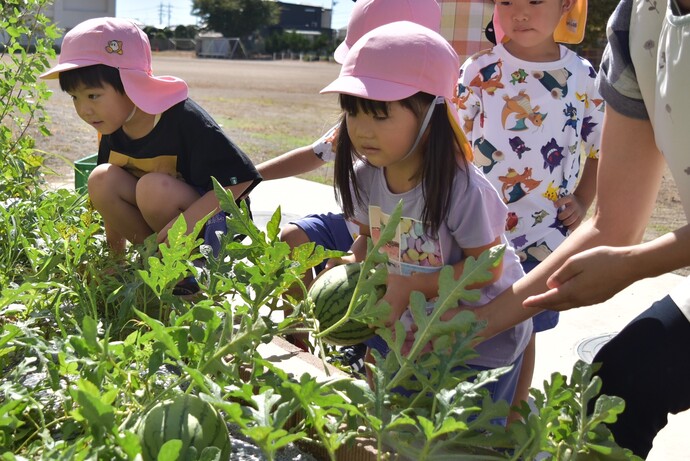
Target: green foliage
x=283, y=41
x=236, y=18
x=598, y=13
x=89, y=343
x=21, y=96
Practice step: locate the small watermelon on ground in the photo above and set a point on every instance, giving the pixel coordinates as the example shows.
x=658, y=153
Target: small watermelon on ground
x=187, y=418
x=331, y=293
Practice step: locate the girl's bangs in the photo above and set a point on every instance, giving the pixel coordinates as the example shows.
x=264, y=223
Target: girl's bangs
x=354, y=104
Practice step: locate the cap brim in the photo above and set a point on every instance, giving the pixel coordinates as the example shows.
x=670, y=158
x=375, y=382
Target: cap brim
x=54, y=72
x=153, y=95
x=370, y=88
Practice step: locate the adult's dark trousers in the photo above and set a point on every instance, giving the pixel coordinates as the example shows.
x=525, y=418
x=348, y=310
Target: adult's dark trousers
x=648, y=365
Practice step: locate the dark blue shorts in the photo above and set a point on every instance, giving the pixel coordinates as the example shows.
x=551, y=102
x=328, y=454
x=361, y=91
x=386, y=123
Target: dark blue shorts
x=544, y=320
x=217, y=225
x=328, y=230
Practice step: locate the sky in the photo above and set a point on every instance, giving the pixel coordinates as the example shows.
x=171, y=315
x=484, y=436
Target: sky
x=175, y=12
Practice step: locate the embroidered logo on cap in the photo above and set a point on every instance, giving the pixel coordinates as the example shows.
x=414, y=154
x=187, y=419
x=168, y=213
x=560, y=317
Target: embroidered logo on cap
x=114, y=46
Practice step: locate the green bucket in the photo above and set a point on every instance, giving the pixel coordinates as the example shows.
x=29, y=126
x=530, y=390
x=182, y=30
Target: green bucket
x=82, y=169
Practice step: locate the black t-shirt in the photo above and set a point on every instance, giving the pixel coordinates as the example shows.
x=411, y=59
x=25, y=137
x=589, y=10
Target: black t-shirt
x=186, y=143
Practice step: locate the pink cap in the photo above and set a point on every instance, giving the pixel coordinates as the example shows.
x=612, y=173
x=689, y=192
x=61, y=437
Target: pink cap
x=398, y=60
x=121, y=44
x=370, y=14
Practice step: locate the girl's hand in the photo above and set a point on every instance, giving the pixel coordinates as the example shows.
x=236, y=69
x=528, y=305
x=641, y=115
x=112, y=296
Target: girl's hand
x=397, y=295
x=347, y=259
x=571, y=211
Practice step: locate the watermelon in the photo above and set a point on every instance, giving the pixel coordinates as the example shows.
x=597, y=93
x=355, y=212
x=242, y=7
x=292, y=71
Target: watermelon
x=187, y=418
x=331, y=293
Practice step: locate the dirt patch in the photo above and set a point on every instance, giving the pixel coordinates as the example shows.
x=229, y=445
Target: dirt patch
x=267, y=108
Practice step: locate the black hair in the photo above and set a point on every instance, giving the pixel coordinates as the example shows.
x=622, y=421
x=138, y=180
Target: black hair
x=438, y=168
x=91, y=77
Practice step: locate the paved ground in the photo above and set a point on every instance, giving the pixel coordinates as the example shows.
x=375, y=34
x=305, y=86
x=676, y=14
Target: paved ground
x=578, y=334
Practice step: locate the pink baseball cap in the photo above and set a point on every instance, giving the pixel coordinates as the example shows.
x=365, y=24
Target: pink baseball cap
x=121, y=44
x=370, y=14
x=398, y=60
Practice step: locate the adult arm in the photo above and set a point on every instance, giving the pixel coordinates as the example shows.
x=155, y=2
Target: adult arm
x=297, y=161
x=630, y=170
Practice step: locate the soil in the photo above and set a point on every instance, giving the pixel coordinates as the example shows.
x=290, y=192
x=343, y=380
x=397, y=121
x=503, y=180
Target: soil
x=267, y=108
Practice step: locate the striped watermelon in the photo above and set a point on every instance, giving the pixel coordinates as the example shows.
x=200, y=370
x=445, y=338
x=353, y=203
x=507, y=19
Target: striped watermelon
x=187, y=418
x=331, y=293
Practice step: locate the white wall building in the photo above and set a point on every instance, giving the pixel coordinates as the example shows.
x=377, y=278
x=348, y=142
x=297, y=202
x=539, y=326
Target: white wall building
x=68, y=13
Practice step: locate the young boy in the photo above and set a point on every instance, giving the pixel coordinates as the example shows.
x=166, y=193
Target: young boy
x=158, y=149
x=530, y=108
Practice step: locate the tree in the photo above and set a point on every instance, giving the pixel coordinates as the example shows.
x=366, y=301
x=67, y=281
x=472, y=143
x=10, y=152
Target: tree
x=598, y=13
x=236, y=18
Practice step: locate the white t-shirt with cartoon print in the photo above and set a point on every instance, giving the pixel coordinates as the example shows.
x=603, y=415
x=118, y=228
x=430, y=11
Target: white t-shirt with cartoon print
x=530, y=124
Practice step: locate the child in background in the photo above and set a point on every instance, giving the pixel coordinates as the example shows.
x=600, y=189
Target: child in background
x=158, y=149
x=530, y=107
x=400, y=140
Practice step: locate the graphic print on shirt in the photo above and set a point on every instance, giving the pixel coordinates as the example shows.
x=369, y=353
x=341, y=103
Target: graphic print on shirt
x=485, y=155
x=488, y=79
x=411, y=250
x=556, y=81
x=515, y=186
x=521, y=110
x=140, y=166
x=571, y=119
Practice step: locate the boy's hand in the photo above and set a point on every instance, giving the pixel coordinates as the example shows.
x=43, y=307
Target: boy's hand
x=571, y=211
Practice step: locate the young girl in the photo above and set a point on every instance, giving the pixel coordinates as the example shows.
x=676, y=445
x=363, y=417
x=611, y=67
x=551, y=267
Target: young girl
x=158, y=149
x=400, y=140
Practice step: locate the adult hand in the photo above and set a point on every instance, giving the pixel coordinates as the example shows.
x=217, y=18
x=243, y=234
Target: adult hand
x=589, y=277
x=571, y=211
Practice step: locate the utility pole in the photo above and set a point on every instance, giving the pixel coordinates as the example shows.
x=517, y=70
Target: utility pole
x=161, y=7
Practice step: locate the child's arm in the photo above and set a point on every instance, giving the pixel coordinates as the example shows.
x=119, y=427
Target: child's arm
x=400, y=287
x=573, y=208
x=292, y=163
x=302, y=159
